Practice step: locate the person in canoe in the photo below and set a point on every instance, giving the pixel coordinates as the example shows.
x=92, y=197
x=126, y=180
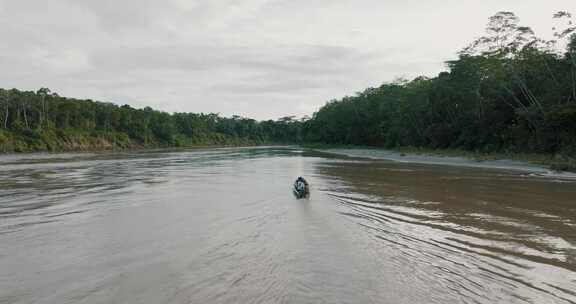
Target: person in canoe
x=301, y=188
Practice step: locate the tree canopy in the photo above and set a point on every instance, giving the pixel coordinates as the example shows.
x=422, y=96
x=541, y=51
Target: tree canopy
x=507, y=91
x=44, y=121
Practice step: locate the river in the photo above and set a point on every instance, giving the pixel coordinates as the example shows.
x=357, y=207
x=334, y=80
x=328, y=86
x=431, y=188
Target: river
x=222, y=226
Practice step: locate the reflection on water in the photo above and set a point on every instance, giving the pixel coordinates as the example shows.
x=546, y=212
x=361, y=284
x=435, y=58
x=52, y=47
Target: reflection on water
x=489, y=236
x=221, y=226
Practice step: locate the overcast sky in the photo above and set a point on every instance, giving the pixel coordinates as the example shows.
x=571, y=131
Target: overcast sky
x=257, y=58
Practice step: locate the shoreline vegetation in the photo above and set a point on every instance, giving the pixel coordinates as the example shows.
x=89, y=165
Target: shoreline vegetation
x=508, y=95
x=43, y=121
x=93, y=142
x=515, y=161
x=74, y=141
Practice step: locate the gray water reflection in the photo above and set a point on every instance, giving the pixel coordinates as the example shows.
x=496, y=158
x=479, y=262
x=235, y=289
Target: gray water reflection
x=488, y=236
x=221, y=226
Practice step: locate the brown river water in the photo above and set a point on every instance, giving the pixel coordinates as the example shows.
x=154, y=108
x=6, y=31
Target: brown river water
x=222, y=226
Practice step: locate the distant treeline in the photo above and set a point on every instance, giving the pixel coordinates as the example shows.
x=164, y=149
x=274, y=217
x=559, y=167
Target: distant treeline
x=44, y=121
x=509, y=91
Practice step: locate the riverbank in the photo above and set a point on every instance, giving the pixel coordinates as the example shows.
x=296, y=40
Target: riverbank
x=79, y=141
x=540, y=164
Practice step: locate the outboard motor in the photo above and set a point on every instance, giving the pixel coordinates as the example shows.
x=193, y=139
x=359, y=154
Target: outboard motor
x=301, y=188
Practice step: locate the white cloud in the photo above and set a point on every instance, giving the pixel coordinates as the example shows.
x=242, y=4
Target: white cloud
x=61, y=61
x=258, y=58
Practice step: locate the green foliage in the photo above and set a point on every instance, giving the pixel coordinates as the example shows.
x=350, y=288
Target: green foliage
x=44, y=121
x=507, y=92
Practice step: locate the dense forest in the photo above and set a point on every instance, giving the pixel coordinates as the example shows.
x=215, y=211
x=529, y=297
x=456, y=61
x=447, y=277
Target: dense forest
x=508, y=91
x=44, y=121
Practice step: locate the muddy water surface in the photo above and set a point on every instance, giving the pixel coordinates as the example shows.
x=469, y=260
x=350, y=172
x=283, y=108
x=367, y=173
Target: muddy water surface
x=221, y=226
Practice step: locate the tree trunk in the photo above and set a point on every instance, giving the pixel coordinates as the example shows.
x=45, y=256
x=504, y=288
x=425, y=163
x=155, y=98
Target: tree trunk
x=573, y=84
x=6, y=117
x=42, y=113
x=25, y=116
x=6, y=111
